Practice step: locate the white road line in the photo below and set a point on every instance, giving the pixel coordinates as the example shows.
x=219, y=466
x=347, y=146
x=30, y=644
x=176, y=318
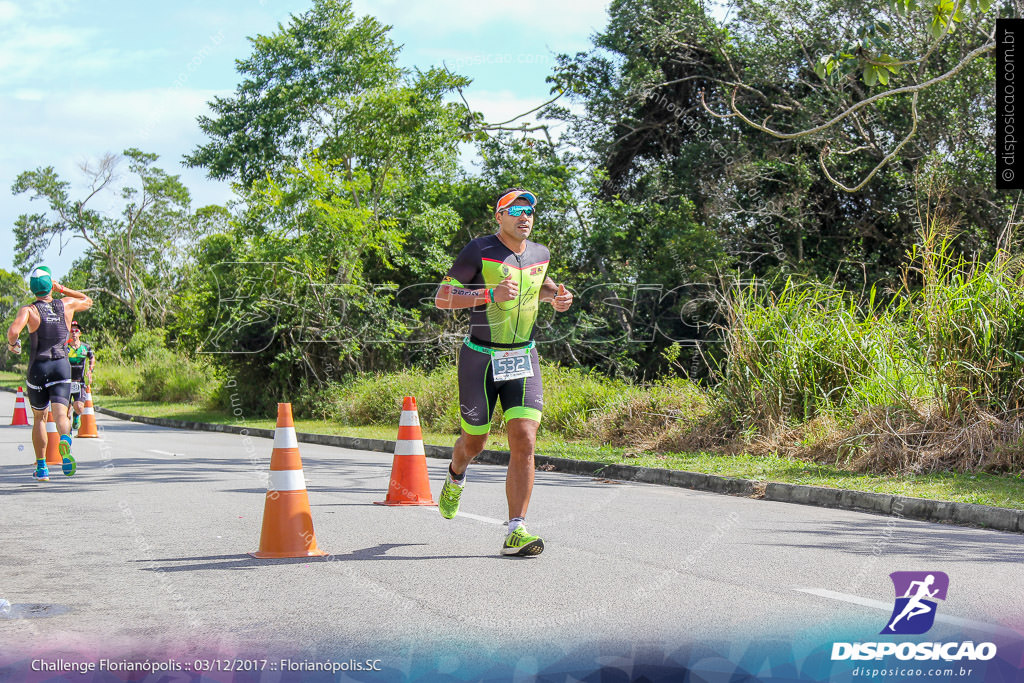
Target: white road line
x=887, y=607
x=481, y=518
x=153, y=450
x=470, y=515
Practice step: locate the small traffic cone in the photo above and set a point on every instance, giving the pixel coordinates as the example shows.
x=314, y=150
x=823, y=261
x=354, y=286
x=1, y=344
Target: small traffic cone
x=52, y=441
x=87, y=428
x=287, y=519
x=409, y=482
x=20, y=411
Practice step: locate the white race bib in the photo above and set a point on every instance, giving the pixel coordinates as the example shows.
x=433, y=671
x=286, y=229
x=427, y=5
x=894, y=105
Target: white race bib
x=511, y=364
x=76, y=387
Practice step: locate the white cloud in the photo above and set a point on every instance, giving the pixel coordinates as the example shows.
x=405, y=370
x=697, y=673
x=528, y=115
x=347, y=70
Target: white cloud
x=8, y=12
x=28, y=95
x=499, y=106
x=64, y=129
x=47, y=9
x=93, y=121
x=30, y=53
x=565, y=17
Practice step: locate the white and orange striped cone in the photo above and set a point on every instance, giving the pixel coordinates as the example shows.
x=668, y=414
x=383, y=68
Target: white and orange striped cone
x=52, y=441
x=287, y=519
x=410, y=484
x=87, y=428
x=20, y=411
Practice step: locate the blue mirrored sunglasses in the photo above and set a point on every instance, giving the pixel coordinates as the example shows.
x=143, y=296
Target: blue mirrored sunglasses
x=516, y=211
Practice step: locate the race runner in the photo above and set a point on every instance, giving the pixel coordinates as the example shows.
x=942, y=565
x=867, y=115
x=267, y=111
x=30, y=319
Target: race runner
x=81, y=373
x=49, y=372
x=502, y=278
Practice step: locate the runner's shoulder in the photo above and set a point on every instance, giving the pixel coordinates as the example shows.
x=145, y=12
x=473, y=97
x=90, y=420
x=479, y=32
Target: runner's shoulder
x=485, y=242
x=536, y=253
x=473, y=248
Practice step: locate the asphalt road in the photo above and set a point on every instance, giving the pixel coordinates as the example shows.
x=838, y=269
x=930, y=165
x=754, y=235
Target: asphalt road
x=145, y=549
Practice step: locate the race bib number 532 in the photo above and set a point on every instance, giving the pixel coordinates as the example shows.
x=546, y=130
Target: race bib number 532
x=512, y=364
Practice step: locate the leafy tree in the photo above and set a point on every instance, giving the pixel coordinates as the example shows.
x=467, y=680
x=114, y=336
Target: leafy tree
x=860, y=74
x=13, y=295
x=131, y=258
x=764, y=198
x=343, y=209
x=329, y=83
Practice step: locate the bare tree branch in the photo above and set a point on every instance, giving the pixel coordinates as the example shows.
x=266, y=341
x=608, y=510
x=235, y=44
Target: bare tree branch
x=881, y=164
x=909, y=89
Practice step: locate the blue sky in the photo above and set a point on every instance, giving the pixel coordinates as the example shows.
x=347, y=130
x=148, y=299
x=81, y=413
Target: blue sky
x=79, y=79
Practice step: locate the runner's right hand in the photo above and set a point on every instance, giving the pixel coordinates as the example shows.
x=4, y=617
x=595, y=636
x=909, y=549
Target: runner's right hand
x=507, y=290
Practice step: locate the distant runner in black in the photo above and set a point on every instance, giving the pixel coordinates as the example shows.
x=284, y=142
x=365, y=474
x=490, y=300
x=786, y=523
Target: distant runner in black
x=49, y=372
x=83, y=363
x=502, y=278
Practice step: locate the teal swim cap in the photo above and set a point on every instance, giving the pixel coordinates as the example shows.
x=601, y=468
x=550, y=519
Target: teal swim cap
x=40, y=281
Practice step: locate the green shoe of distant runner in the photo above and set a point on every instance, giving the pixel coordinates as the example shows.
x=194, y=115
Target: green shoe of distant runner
x=523, y=543
x=68, y=464
x=75, y=423
x=450, y=495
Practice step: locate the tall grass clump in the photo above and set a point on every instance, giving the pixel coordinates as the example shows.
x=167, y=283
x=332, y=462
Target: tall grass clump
x=969, y=316
x=965, y=323
x=577, y=403
x=805, y=350
x=376, y=399
x=144, y=368
x=931, y=378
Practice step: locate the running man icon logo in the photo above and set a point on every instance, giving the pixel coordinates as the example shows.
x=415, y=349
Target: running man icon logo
x=916, y=594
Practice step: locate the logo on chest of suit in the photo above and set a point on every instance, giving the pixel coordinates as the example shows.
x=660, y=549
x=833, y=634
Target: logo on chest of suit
x=505, y=269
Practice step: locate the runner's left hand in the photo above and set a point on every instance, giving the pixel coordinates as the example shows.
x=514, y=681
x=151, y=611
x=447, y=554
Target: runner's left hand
x=562, y=300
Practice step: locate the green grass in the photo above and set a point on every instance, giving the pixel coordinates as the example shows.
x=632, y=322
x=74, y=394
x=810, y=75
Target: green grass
x=985, y=489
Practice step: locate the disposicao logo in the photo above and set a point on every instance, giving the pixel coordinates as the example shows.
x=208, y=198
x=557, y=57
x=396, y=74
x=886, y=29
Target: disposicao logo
x=913, y=613
x=916, y=595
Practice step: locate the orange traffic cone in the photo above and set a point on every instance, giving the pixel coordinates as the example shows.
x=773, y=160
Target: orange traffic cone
x=52, y=441
x=87, y=428
x=20, y=412
x=409, y=482
x=287, y=520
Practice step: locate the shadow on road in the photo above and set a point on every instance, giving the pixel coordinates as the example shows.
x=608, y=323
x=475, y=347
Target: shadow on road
x=906, y=538
x=97, y=475
x=377, y=552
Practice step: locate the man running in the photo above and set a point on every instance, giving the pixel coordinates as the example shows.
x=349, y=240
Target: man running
x=49, y=372
x=502, y=278
x=83, y=363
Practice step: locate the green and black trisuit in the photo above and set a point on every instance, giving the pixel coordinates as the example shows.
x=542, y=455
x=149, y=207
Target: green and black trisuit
x=496, y=327
x=78, y=356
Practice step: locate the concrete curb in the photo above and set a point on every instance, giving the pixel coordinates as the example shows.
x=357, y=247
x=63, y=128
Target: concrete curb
x=966, y=514
x=1002, y=519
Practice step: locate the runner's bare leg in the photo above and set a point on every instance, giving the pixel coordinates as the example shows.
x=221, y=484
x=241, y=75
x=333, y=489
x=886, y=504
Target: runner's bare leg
x=522, y=439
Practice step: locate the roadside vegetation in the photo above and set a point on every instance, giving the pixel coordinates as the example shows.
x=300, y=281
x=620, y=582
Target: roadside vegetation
x=742, y=308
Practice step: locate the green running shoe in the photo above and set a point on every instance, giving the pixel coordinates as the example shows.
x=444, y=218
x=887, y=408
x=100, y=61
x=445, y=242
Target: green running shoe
x=68, y=464
x=450, y=495
x=77, y=422
x=522, y=543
